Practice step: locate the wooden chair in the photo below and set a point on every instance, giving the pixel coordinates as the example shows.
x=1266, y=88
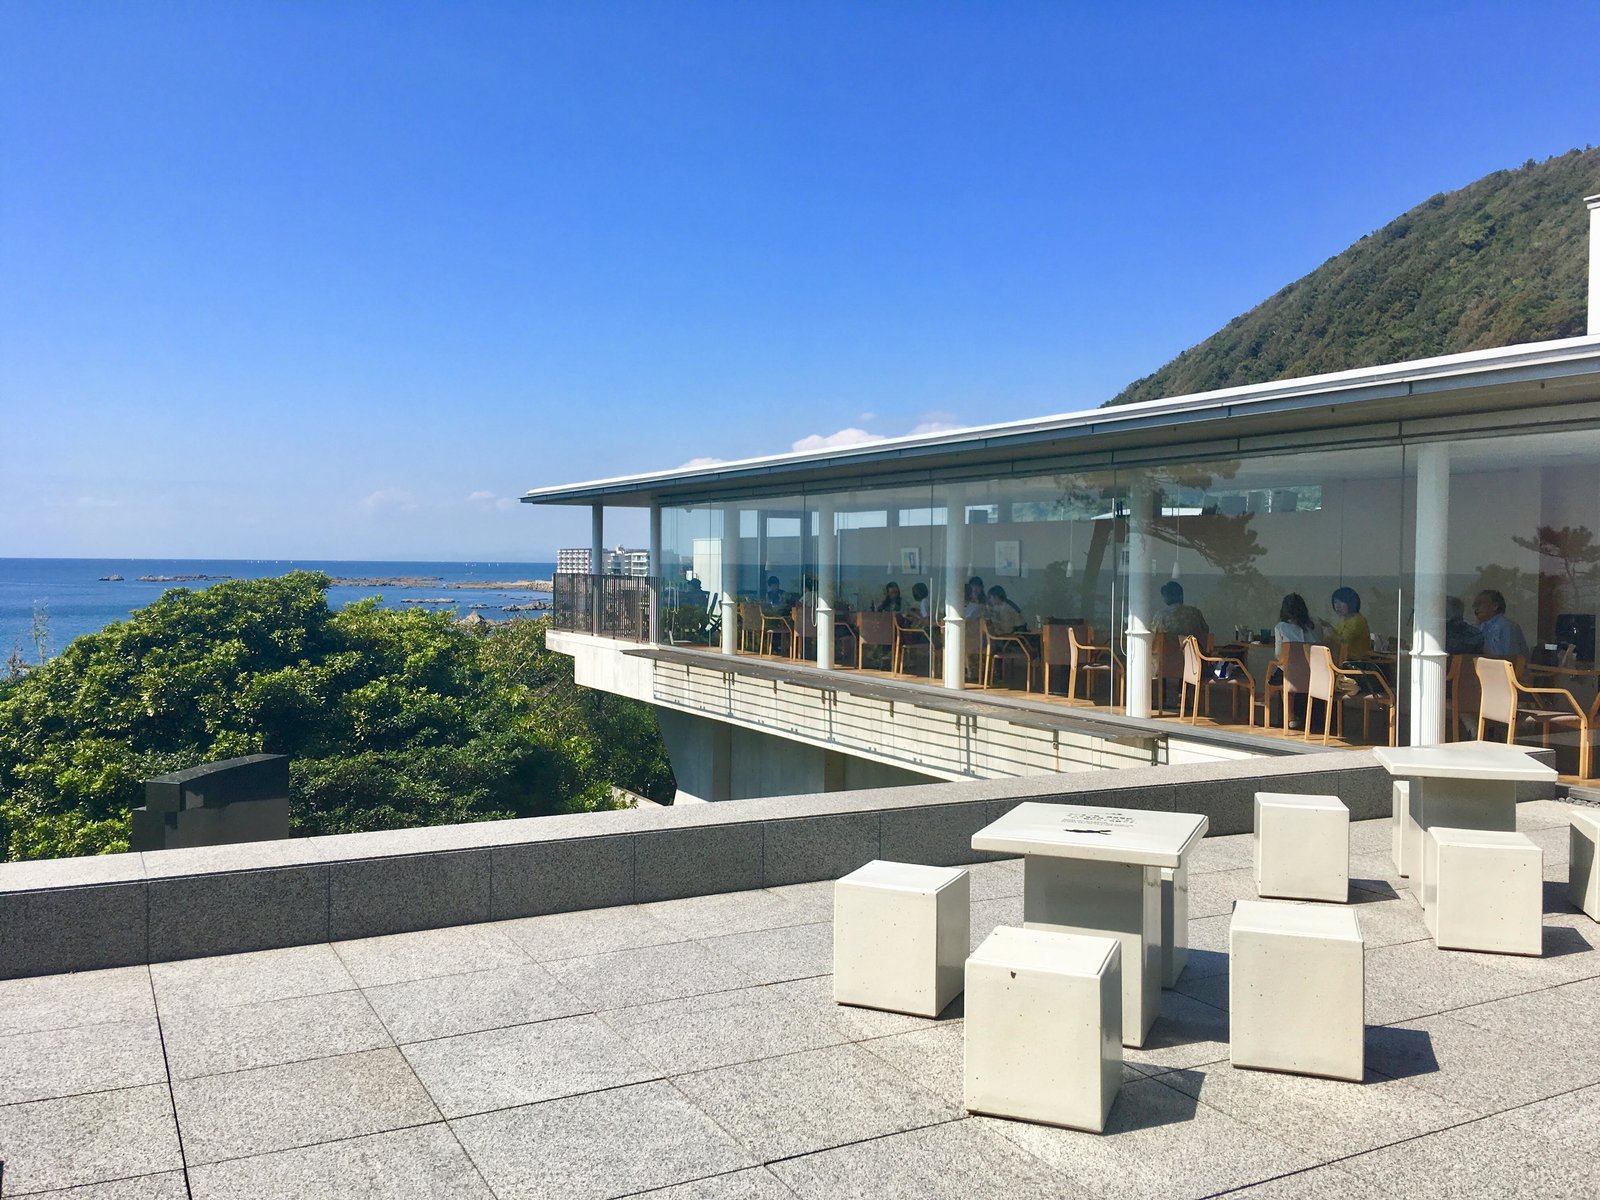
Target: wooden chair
x=1461, y=683
x=1166, y=664
x=749, y=627
x=874, y=629
x=908, y=635
x=803, y=627
x=1089, y=660
x=1502, y=698
x=1323, y=684
x=773, y=627
x=1001, y=645
x=1294, y=679
x=1055, y=648
x=1197, y=676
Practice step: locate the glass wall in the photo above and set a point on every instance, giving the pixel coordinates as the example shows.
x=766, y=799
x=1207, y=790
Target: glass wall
x=1230, y=540
x=1522, y=572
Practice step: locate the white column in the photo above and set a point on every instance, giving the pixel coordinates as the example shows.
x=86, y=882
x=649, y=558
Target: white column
x=955, y=569
x=597, y=558
x=1594, y=264
x=729, y=584
x=827, y=569
x=655, y=572
x=1140, y=637
x=1428, y=658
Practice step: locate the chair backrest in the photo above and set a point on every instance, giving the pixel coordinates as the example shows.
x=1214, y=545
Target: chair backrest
x=1319, y=672
x=805, y=620
x=1296, y=666
x=875, y=628
x=1497, y=685
x=1078, y=651
x=1055, y=647
x=1192, y=666
x=1168, y=656
x=750, y=613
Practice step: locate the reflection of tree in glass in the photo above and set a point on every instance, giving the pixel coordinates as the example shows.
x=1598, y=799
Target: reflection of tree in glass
x=1574, y=547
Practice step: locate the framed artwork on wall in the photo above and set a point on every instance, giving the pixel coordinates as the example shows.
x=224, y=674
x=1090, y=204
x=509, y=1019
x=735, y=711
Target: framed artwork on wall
x=1008, y=558
x=910, y=560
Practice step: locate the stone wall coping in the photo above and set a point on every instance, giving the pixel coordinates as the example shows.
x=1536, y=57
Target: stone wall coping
x=295, y=852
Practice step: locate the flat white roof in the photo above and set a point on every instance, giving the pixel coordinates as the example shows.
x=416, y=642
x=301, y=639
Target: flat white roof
x=1338, y=398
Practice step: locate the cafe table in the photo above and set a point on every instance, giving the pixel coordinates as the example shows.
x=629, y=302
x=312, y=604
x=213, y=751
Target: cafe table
x=1098, y=871
x=1460, y=785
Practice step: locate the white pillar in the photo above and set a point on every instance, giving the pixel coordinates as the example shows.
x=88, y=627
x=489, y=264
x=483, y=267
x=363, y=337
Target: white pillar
x=1140, y=637
x=655, y=572
x=827, y=569
x=1594, y=264
x=729, y=584
x=597, y=558
x=955, y=567
x=1428, y=658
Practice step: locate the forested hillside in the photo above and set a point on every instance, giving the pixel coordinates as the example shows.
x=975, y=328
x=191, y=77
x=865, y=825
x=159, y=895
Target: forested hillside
x=1502, y=261
x=391, y=719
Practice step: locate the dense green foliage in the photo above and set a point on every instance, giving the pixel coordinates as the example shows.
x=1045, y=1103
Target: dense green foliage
x=1500, y=262
x=391, y=719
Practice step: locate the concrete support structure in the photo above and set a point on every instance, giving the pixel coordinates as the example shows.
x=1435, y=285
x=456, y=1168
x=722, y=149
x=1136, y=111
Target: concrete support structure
x=827, y=571
x=655, y=571
x=728, y=586
x=1140, y=637
x=955, y=566
x=597, y=558
x=1428, y=658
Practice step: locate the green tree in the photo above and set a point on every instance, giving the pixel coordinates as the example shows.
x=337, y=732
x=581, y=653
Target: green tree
x=391, y=719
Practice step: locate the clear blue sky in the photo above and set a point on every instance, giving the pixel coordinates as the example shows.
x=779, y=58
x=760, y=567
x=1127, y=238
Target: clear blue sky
x=342, y=280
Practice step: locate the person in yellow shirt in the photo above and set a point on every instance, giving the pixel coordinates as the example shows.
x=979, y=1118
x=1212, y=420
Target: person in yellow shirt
x=1349, y=636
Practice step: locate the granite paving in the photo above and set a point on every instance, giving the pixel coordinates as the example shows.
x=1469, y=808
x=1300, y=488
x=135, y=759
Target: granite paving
x=691, y=1050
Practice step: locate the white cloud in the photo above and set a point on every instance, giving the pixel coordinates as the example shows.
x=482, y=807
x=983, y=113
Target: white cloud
x=97, y=502
x=833, y=441
x=700, y=462
x=389, y=500
x=867, y=418
x=934, y=427
x=506, y=503
x=480, y=495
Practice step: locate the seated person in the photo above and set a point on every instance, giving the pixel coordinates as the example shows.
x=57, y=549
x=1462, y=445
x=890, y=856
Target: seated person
x=890, y=601
x=1294, y=623
x=808, y=594
x=919, y=602
x=1003, y=614
x=1461, y=636
x=1349, y=636
x=1502, y=637
x=1177, y=618
x=773, y=597
x=974, y=600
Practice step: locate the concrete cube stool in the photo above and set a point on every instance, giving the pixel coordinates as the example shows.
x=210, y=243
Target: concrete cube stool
x=1483, y=889
x=1296, y=989
x=900, y=936
x=1302, y=847
x=1583, y=868
x=1044, y=1027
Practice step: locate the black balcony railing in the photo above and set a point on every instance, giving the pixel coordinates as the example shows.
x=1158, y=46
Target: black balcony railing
x=621, y=602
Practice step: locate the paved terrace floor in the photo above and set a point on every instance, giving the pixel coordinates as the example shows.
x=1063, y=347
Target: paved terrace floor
x=693, y=1047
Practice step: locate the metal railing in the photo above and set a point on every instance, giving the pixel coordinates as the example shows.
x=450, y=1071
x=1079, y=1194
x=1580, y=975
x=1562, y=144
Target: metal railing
x=615, y=606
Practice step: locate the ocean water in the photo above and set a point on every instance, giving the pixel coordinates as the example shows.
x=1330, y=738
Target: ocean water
x=78, y=601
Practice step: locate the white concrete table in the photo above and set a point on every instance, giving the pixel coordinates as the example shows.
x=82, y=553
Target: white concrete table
x=1464, y=785
x=1097, y=871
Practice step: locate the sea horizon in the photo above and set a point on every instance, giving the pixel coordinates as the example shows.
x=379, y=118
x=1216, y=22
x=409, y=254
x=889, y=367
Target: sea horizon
x=77, y=598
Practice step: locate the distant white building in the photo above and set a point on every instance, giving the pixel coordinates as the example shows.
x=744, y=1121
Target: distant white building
x=621, y=561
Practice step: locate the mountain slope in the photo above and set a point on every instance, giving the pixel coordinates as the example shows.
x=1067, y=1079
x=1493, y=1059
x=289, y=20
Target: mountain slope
x=1502, y=261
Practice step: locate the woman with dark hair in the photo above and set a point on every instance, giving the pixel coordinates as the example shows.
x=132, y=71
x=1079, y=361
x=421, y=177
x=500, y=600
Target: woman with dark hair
x=891, y=602
x=1350, y=636
x=974, y=600
x=1294, y=623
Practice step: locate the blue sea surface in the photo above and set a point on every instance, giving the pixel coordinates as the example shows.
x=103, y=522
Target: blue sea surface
x=75, y=599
